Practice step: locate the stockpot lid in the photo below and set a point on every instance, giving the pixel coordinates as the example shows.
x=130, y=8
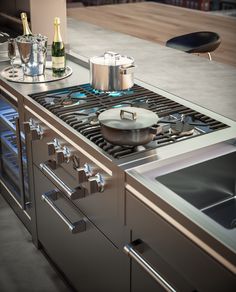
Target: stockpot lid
x=128, y=118
x=112, y=59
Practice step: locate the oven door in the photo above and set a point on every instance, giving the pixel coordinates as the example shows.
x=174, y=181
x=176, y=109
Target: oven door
x=87, y=258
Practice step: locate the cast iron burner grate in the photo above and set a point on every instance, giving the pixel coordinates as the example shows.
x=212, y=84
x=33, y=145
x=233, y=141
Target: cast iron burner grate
x=79, y=106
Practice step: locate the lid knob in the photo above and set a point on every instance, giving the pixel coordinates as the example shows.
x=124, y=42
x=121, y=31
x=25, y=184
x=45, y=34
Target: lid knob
x=127, y=115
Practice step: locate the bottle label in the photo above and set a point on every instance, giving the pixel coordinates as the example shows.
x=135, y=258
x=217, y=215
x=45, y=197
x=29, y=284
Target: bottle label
x=58, y=62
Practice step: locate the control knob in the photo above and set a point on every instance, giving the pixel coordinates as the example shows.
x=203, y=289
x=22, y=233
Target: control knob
x=63, y=155
x=76, y=162
x=84, y=173
x=53, y=146
x=33, y=129
x=95, y=184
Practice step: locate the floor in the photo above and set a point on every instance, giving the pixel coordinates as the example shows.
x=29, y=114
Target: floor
x=158, y=22
x=23, y=268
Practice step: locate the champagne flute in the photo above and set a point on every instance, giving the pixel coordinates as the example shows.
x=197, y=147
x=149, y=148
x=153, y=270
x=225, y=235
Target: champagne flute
x=12, y=53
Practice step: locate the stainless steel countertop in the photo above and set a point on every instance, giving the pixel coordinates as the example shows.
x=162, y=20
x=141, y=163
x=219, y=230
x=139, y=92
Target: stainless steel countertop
x=80, y=75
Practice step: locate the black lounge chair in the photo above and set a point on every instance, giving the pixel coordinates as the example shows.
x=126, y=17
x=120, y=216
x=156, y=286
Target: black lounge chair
x=196, y=42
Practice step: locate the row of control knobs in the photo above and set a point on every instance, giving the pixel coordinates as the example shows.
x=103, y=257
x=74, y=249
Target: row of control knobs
x=94, y=182
x=63, y=154
x=34, y=129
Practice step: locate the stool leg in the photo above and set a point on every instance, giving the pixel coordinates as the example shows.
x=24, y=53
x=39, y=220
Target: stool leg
x=209, y=56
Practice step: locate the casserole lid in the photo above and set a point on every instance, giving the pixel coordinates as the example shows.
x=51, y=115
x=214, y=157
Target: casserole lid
x=128, y=118
x=112, y=59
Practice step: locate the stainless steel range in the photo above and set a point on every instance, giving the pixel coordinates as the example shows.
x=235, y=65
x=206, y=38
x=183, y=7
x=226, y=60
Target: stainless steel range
x=93, y=198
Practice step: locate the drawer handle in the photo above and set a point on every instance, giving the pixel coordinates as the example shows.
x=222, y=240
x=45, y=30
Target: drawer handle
x=69, y=192
x=130, y=250
x=75, y=227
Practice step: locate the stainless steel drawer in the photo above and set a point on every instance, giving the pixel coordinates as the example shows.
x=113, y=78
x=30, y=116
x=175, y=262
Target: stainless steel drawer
x=88, y=259
x=163, y=251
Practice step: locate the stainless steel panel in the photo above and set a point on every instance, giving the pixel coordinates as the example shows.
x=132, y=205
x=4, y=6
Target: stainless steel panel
x=74, y=227
x=170, y=251
x=131, y=249
x=88, y=259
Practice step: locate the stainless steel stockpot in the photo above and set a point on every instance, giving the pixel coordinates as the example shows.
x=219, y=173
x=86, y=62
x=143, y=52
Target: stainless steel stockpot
x=111, y=72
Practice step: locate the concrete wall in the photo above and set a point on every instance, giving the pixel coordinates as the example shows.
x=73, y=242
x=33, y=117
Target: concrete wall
x=42, y=15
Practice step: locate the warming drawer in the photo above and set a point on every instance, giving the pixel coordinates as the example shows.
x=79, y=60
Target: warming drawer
x=87, y=258
x=163, y=250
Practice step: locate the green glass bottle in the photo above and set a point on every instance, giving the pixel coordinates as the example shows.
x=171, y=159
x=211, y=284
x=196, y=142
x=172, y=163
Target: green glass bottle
x=58, y=51
x=25, y=24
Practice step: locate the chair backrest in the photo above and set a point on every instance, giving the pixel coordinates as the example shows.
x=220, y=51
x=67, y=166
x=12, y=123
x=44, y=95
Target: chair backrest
x=196, y=42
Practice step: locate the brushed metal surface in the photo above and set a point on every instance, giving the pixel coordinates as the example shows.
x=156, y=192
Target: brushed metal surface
x=19, y=77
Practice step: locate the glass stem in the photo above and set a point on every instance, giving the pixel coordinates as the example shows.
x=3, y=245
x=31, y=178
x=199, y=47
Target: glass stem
x=12, y=65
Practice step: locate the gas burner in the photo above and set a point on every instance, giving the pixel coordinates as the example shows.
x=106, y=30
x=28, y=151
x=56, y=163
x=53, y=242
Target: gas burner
x=113, y=93
x=141, y=102
x=109, y=93
x=80, y=117
x=182, y=125
x=66, y=98
x=182, y=128
x=121, y=105
x=71, y=102
x=101, y=93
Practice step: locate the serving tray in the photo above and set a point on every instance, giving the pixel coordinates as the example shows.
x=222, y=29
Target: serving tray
x=19, y=77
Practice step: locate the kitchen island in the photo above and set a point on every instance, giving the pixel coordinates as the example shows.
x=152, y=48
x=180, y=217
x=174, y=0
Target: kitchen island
x=209, y=84
x=157, y=22
x=107, y=215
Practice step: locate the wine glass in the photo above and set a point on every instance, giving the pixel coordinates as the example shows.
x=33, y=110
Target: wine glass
x=12, y=53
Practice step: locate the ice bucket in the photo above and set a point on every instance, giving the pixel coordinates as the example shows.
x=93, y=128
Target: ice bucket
x=33, y=54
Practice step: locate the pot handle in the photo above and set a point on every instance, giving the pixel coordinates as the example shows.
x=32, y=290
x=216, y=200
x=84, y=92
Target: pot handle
x=113, y=55
x=127, y=115
x=127, y=69
x=155, y=130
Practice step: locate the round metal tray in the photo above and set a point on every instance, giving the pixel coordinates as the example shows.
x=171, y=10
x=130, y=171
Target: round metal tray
x=18, y=76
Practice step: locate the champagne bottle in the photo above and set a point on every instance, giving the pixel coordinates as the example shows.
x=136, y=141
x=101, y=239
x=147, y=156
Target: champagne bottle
x=58, y=50
x=26, y=29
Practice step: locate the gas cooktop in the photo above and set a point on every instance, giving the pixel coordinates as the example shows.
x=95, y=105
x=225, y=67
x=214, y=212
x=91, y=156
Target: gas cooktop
x=80, y=105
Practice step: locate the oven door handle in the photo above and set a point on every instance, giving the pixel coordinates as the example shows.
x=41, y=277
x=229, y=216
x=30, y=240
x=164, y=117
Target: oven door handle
x=69, y=192
x=75, y=227
x=130, y=250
